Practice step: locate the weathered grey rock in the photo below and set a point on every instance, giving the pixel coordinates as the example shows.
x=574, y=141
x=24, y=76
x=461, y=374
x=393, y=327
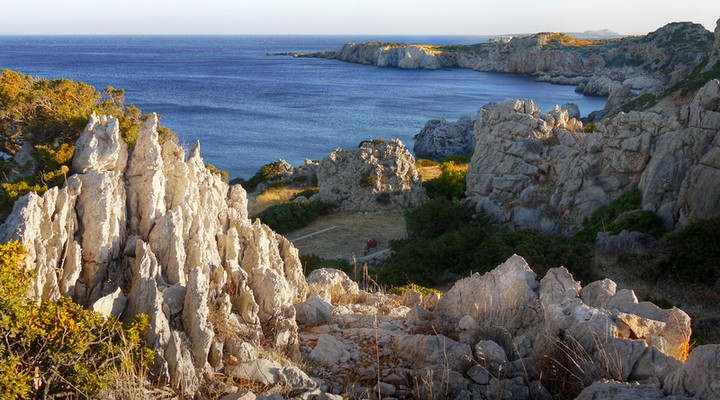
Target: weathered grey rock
x=263, y=371
x=558, y=285
x=439, y=138
x=699, y=377
x=245, y=395
x=329, y=351
x=613, y=390
x=379, y=176
x=479, y=374
x=541, y=171
x=174, y=238
x=490, y=355
x=313, y=312
x=503, y=298
x=436, y=350
x=111, y=305
x=331, y=284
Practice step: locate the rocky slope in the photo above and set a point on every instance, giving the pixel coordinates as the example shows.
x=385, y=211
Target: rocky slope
x=144, y=230
x=542, y=171
x=650, y=63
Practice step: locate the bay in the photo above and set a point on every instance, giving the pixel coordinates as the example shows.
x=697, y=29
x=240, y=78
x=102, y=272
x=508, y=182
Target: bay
x=248, y=108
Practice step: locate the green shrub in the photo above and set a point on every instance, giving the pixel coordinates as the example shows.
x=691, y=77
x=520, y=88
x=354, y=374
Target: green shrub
x=424, y=162
x=445, y=241
x=460, y=159
x=308, y=193
x=367, y=180
x=436, y=216
x=267, y=172
x=693, y=254
x=617, y=216
x=58, y=349
x=589, y=128
x=450, y=184
x=400, y=290
x=311, y=262
x=287, y=217
x=217, y=171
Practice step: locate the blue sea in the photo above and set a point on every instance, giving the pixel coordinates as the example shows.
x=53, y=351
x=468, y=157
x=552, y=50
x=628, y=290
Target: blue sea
x=248, y=108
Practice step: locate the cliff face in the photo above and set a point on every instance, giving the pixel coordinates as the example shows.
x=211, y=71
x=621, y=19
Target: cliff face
x=653, y=62
x=146, y=231
x=541, y=171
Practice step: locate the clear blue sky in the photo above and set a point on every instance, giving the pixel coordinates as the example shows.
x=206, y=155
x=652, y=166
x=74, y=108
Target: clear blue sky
x=427, y=17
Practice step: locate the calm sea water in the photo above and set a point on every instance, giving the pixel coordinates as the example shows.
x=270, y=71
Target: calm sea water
x=248, y=109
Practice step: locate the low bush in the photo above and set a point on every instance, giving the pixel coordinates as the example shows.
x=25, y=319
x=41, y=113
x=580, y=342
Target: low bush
x=217, y=171
x=620, y=214
x=287, y=217
x=445, y=241
x=450, y=184
x=308, y=193
x=693, y=254
x=401, y=290
x=58, y=349
x=267, y=172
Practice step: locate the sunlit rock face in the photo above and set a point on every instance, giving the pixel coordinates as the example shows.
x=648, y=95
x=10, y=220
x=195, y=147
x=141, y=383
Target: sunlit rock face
x=378, y=176
x=145, y=230
x=541, y=171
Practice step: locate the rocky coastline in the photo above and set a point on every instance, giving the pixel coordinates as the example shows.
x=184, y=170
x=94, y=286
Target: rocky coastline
x=648, y=64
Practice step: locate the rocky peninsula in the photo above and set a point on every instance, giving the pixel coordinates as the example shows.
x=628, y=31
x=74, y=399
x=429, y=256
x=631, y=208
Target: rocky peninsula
x=616, y=67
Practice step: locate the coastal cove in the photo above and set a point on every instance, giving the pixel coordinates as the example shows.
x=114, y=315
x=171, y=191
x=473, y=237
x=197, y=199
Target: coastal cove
x=249, y=109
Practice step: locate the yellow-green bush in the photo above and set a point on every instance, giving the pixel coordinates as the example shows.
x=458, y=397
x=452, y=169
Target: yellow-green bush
x=59, y=348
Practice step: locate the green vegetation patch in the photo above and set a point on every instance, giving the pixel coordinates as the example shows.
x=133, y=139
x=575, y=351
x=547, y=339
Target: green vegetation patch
x=57, y=349
x=50, y=114
x=273, y=170
x=450, y=184
x=401, y=290
x=446, y=241
x=287, y=217
x=308, y=193
x=620, y=214
x=693, y=254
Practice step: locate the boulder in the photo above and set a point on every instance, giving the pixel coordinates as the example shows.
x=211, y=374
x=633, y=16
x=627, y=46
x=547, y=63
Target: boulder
x=379, y=176
x=331, y=284
x=699, y=377
x=313, y=312
x=439, y=138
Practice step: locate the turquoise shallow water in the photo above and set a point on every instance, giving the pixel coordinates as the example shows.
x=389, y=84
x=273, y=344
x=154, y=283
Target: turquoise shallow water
x=248, y=109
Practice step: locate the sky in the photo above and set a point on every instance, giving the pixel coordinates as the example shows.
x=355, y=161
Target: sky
x=353, y=17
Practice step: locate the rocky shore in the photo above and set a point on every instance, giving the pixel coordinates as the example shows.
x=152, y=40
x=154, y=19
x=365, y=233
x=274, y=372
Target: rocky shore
x=651, y=63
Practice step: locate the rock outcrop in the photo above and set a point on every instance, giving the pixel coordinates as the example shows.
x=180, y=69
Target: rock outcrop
x=145, y=230
x=379, y=176
x=439, y=138
x=542, y=171
x=505, y=334
x=650, y=63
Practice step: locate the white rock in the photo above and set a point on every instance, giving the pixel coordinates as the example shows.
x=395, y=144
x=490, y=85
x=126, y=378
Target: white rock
x=111, y=305
x=313, y=312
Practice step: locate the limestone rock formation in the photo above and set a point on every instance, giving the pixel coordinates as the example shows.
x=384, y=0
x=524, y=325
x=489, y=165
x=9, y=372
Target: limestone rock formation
x=439, y=138
x=501, y=335
x=145, y=230
x=378, y=176
x=649, y=63
x=541, y=171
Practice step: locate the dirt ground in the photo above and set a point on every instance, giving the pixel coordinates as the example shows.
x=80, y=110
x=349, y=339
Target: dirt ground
x=348, y=239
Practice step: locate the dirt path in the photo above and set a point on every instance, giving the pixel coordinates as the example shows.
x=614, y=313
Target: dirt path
x=353, y=229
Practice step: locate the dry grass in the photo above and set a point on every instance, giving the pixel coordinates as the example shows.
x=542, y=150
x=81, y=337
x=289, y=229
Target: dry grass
x=257, y=204
x=431, y=172
x=350, y=235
